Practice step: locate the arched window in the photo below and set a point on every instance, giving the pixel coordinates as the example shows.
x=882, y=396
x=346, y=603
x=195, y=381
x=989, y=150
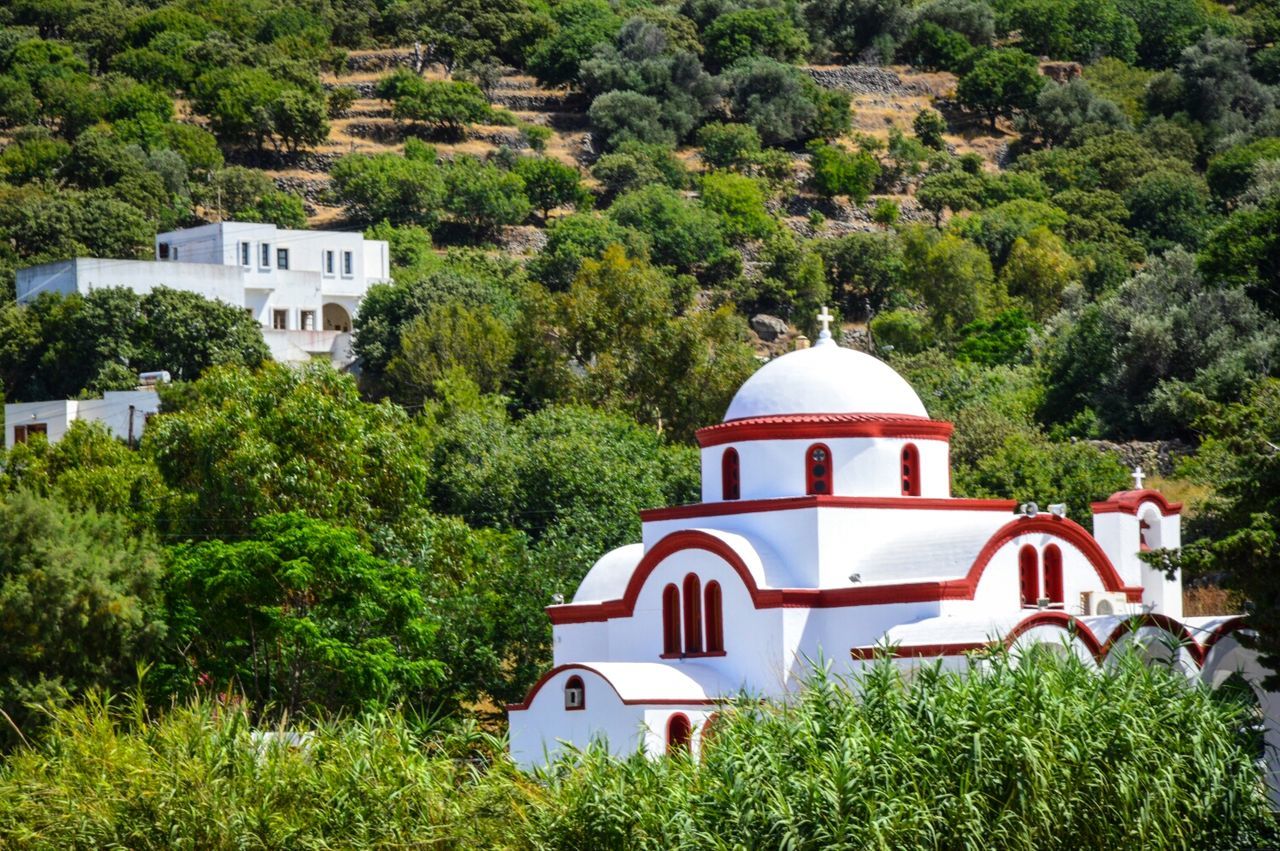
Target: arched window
x=714, y=618
x=818, y=469
x=1029, y=575
x=671, y=621
x=1053, y=573
x=692, y=614
x=678, y=730
x=575, y=694
x=730, y=484
x=910, y=470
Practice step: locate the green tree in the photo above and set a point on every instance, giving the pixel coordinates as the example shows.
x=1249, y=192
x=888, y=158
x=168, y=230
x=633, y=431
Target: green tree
x=580, y=25
x=783, y=103
x=576, y=237
x=1168, y=207
x=866, y=271
x=635, y=165
x=1083, y=30
x=445, y=105
x=450, y=336
x=80, y=601
x=732, y=146
x=1001, y=82
x=953, y=278
x=682, y=234
x=740, y=203
x=747, y=33
x=620, y=116
x=1063, y=108
x=387, y=187
x=929, y=125
x=840, y=172
x=1231, y=171
x=300, y=616
x=483, y=196
x=1038, y=270
x=549, y=183
x=1245, y=251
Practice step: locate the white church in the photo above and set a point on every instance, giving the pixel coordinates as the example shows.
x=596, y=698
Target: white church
x=827, y=530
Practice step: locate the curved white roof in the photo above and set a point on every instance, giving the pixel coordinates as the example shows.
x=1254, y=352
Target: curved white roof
x=609, y=576
x=825, y=379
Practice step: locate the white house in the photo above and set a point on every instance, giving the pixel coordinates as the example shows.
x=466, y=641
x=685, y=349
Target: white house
x=827, y=529
x=123, y=412
x=302, y=286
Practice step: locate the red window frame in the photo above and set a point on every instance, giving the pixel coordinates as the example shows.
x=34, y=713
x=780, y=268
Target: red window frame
x=679, y=733
x=910, y=470
x=817, y=471
x=1029, y=575
x=671, y=620
x=572, y=683
x=730, y=475
x=692, y=614
x=1053, y=574
x=714, y=616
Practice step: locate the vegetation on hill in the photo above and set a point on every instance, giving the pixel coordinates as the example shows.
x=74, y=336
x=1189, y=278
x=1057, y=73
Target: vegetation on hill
x=585, y=202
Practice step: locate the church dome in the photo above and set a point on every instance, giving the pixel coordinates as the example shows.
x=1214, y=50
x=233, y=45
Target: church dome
x=825, y=379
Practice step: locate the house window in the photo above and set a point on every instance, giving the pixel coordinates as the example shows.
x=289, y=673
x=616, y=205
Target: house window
x=244, y=254
x=162, y=251
x=575, y=694
x=280, y=320
x=21, y=433
x=308, y=320
x=818, y=469
x=692, y=614
x=282, y=258
x=730, y=484
x=1029, y=575
x=670, y=621
x=175, y=253
x=328, y=262
x=910, y=470
x=678, y=733
x=715, y=618
x=264, y=255
x=1053, y=574
x=348, y=264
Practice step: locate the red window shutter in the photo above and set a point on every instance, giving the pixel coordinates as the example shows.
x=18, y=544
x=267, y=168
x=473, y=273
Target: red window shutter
x=715, y=618
x=1029, y=575
x=692, y=614
x=1053, y=574
x=671, y=621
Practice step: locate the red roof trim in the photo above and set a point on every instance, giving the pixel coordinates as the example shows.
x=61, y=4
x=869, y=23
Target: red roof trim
x=811, y=426
x=794, y=503
x=871, y=595
x=559, y=669
x=1127, y=502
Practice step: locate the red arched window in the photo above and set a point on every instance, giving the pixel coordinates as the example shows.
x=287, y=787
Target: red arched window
x=1029, y=575
x=1053, y=573
x=714, y=617
x=730, y=484
x=692, y=614
x=910, y=470
x=670, y=621
x=678, y=733
x=817, y=470
x=575, y=694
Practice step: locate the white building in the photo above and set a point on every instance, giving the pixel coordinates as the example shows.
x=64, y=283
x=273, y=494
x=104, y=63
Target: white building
x=123, y=412
x=827, y=530
x=302, y=286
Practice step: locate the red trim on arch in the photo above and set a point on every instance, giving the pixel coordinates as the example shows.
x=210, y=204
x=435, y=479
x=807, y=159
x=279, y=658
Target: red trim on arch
x=829, y=426
x=1236, y=624
x=578, y=666
x=796, y=503
x=1127, y=502
x=871, y=595
x=1164, y=622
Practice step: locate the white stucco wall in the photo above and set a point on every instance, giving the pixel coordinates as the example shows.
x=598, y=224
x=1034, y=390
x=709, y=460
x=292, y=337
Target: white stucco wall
x=113, y=411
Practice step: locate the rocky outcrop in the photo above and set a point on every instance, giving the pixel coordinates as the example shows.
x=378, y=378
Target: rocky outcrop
x=768, y=328
x=1156, y=457
x=1061, y=72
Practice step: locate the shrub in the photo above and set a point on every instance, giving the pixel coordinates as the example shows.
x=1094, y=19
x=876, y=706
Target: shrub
x=929, y=125
x=728, y=145
x=739, y=201
x=840, y=172
x=1001, y=82
x=483, y=196
x=549, y=183
x=783, y=103
x=618, y=117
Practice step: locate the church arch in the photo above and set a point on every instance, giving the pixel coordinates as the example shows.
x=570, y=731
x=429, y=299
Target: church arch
x=1053, y=574
x=679, y=732
x=336, y=317
x=730, y=475
x=670, y=620
x=692, y=614
x=1029, y=575
x=910, y=470
x=713, y=613
x=817, y=471
x=575, y=694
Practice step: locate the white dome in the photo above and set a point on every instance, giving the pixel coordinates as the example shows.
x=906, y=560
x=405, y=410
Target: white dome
x=824, y=379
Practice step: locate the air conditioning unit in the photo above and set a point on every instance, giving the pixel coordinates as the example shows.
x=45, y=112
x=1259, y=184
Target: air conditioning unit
x=1106, y=603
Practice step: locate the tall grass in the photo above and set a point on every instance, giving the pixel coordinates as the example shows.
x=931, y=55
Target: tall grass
x=1046, y=754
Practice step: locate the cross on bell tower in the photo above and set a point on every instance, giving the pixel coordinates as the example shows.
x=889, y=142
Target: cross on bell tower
x=825, y=318
x=1138, y=476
